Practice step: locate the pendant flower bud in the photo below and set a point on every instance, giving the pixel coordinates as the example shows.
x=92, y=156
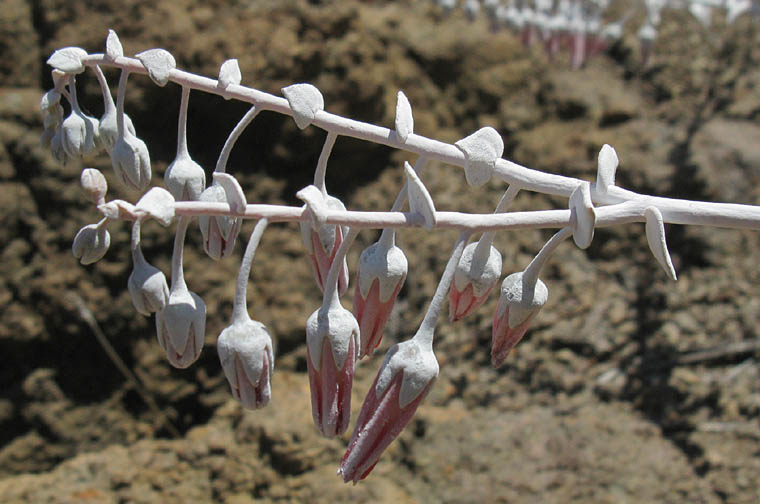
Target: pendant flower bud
x=406, y=376
x=245, y=351
x=185, y=179
x=518, y=304
x=332, y=346
x=382, y=272
x=181, y=326
x=475, y=276
x=147, y=286
x=78, y=134
x=219, y=233
x=91, y=244
x=131, y=161
x=322, y=243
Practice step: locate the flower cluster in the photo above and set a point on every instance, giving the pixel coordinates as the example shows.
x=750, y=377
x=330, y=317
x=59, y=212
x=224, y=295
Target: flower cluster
x=336, y=338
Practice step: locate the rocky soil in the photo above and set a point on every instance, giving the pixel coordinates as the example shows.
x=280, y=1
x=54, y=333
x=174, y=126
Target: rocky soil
x=628, y=388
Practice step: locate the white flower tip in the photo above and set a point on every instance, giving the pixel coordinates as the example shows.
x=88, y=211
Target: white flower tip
x=655, y=229
x=159, y=63
x=159, y=204
x=582, y=209
x=305, y=101
x=481, y=151
x=113, y=46
x=607, y=164
x=404, y=118
x=420, y=201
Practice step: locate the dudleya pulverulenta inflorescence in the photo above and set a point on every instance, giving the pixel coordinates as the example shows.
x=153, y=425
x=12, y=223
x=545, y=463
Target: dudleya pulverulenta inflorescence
x=336, y=338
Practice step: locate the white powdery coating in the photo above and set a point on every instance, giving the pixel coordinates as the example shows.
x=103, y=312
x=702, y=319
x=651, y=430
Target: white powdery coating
x=418, y=364
x=159, y=204
x=404, y=118
x=386, y=264
x=655, y=229
x=108, y=129
x=252, y=343
x=607, y=164
x=585, y=216
x=339, y=326
x=521, y=304
x=228, y=227
x=481, y=151
x=159, y=63
x=420, y=201
x=482, y=276
x=305, y=100
x=233, y=191
x=326, y=232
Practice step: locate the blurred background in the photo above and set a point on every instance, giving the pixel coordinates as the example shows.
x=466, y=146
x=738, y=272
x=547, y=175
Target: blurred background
x=628, y=387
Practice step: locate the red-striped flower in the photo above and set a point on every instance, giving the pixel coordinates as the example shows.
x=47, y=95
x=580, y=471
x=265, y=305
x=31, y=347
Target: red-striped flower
x=406, y=376
x=518, y=304
x=382, y=272
x=332, y=346
x=476, y=274
x=322, y=244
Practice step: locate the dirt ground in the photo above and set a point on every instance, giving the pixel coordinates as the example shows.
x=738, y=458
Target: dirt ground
x=628, y=388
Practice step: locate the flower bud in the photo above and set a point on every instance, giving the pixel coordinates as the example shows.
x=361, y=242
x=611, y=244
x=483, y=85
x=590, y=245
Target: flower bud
x=147, y=287
x=474, y=278
x=131, y=162
x=518, y=304
x=382, y=272
x=181, y=326
x=185, y=179
x=91, y=244
x=405, y=377
x=332, y=346
x=219, y=233
x=245, y=351
x=109, y=131
x=78, y=134
x=322, y=244
x=94, y=184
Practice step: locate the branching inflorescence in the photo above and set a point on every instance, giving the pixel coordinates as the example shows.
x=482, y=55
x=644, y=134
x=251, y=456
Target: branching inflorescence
x=336, y=338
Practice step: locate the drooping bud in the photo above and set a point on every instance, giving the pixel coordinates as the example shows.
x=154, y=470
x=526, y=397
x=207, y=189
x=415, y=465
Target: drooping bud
x=245, y=351
x=131, y=161
x=147, y=284
x=405, y=377
x=332, y=339
x=148, y=288
x=476, y=274
x=382, y=272
x=219, y=232
x=78, y=134
x=181, y=326
x=91, y=243
x=518, y=304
